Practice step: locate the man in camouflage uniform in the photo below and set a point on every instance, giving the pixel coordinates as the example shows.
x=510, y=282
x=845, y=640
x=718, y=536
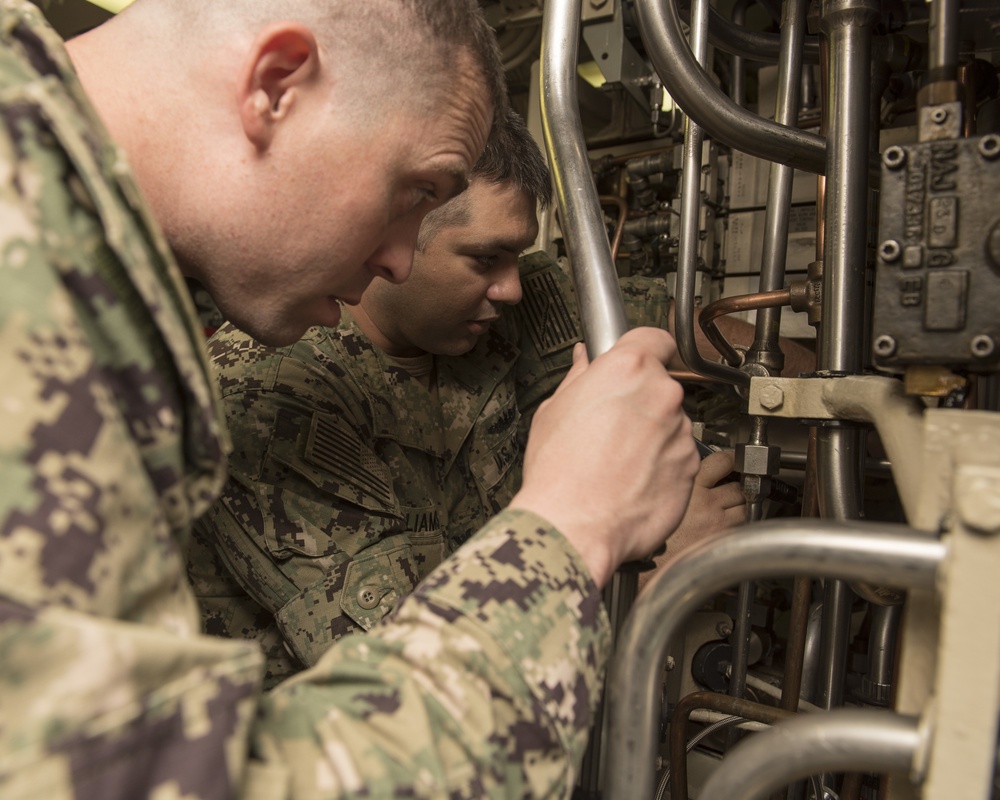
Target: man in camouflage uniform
x=367, y=453
x=255, y=146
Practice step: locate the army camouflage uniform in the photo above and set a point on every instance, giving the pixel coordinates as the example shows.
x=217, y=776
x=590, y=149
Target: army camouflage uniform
x=351, y=480
x=111, y=444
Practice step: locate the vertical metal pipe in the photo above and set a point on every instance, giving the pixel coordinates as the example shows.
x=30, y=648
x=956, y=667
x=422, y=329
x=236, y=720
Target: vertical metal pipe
x=791, y=686
x=741, y=639
x=738, y=89
x=942, y=40
x=601, y=307
x=848, y=25
x=877, y=684
x=811, y=652
x=837, y=599
x=765, y=349
x=848, y=28
x=687, y=257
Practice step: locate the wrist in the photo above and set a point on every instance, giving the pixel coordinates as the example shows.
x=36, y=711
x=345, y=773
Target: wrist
x=589, y=543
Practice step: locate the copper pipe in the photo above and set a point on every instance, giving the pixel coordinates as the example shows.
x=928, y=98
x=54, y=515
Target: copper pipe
x=691, y=377
x=716, y=702
x=730, y=305
x=612, y=200
x=791, y=687
x=850, y=789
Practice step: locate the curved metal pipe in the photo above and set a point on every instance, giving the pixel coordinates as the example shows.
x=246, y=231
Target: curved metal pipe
x=687, y=253
x=784, y=548
x=733, y=38
x=602, y=310
x=732, y=305
x=876, y=741
x=733, y=706
x=699, y=97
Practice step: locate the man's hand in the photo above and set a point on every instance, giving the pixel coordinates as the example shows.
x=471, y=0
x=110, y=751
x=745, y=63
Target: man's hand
x=610, y=458
x=714, y=507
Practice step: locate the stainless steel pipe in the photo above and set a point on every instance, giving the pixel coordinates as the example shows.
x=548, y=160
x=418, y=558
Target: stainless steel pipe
x=602, y=309
x=708, y=106
x=884, y=553
x=687, y=255
x=765, y=349
x=875, y=741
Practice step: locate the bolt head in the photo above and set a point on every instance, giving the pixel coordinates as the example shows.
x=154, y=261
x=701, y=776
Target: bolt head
x=771, y=397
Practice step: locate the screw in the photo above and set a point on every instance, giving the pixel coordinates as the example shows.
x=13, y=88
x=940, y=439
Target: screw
x=889, y=250
x=724, y=629
x=993, y=245
x=670, y=663
x=771, y=397
x=989, y=146
x=939, y=115
x=885, y=345
x=894, y=157
x=982, y=346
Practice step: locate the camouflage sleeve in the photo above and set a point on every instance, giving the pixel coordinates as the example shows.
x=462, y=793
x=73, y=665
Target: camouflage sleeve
x=309, y=525
x=647, y=302
x=481, y=684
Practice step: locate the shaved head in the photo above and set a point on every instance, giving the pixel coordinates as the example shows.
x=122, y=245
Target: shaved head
x=395, y=33
x=289, y=149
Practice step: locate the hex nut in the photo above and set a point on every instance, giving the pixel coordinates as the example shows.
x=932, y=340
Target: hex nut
x=771, y=397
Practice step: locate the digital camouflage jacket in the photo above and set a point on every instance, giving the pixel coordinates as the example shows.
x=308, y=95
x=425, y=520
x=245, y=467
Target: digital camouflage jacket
x=351, y=480
x=111, y=445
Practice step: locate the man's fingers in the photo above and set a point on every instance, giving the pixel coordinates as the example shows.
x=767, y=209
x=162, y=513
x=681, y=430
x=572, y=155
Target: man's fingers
x=580, y=364
x=656, y=342
x=714, y=468
x=729, y=495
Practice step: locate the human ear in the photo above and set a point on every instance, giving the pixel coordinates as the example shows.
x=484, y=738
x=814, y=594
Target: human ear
x=282, y=60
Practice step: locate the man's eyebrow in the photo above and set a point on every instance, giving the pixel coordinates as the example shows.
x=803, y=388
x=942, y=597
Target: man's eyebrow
x=502, y=243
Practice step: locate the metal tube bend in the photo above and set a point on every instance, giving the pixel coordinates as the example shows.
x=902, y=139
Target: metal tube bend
x=882, y=553
x=839, y=741
x=708, y=106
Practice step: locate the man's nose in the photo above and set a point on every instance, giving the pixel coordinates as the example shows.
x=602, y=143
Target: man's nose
x=507, y=288
x=393, y=259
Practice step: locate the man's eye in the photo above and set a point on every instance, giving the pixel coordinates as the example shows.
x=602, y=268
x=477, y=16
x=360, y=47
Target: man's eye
x=425, y=194
x=486, y=262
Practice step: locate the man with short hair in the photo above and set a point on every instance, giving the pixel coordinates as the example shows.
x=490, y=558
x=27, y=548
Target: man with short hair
x=366, y=454
x=289, y=149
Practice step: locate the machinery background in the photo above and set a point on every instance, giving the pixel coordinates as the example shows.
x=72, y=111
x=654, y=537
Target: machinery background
x=827, y=171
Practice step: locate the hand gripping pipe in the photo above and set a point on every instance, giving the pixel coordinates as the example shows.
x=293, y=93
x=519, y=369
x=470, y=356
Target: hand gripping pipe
x=602, y=309
x=707, y=105
x=889, y=554
x=839, y=741
x=601, y=306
